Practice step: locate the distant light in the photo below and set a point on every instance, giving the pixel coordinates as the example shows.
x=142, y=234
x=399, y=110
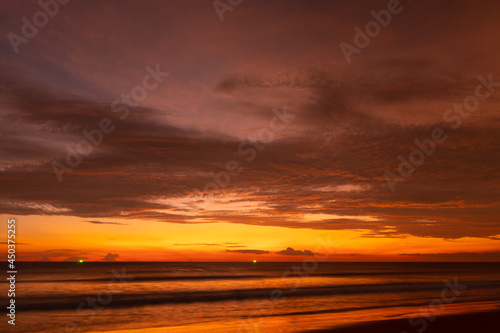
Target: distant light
x=255, y=261
x=80, y=260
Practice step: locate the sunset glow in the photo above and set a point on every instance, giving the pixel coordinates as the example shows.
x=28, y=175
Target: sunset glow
x=250, y=166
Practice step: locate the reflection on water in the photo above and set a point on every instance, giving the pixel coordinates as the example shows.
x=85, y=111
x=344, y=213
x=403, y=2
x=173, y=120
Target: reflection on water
x=222, y=297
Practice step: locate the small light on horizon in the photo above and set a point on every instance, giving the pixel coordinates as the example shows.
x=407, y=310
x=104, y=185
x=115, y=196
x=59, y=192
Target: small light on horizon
x=80, y=261
x=255, y=261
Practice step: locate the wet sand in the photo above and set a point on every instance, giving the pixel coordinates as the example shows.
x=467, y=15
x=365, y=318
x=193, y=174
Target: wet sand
x=481, y=322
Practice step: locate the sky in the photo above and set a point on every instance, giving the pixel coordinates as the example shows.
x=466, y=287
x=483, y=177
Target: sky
x=272, y=131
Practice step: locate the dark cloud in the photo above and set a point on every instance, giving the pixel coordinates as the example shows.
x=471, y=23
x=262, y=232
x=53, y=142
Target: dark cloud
x=293, y=173
x=110, y=257
x=291, y=252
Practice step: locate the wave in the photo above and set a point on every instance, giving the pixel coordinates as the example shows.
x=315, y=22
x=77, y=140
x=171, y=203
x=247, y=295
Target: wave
x=131, y=300
x=373, y=307
x=221, y=277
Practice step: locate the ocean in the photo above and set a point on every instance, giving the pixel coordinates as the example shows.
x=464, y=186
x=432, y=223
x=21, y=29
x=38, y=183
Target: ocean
x=241, y=297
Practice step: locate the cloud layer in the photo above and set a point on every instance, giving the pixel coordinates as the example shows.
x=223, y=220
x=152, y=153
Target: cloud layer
x=323, y=170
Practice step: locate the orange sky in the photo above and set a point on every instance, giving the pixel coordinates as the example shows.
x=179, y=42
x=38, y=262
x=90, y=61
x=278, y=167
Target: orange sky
x=253, y=134
x=136, y=240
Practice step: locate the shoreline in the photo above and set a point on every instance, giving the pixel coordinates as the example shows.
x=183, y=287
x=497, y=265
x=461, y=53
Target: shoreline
x=457, y=319
x=482, y=321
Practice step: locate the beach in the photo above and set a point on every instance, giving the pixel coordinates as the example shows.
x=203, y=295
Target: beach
x=248, y=297
x=482, y=322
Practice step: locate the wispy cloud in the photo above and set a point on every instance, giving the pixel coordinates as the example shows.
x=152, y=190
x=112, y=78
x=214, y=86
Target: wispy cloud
x=457, y=255
x=102, y=222
x=322, y=172
x=250, y=251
